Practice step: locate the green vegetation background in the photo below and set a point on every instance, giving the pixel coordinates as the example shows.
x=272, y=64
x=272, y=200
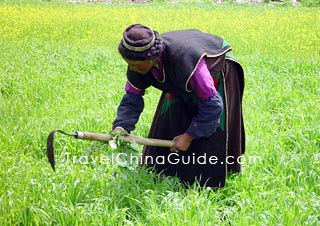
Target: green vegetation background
x=59, y=68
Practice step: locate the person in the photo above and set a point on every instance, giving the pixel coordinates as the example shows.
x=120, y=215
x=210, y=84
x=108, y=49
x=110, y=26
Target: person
x=200, y=108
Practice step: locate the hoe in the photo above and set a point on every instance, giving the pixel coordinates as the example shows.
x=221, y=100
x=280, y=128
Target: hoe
x=104, y=138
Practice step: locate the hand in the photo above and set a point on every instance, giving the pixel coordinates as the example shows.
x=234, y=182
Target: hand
x=118, y=129
x=181, y=142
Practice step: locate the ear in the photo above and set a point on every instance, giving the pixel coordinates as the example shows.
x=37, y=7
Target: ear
x=153, y=60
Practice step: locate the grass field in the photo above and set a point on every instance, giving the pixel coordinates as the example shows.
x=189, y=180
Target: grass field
x=59, y=68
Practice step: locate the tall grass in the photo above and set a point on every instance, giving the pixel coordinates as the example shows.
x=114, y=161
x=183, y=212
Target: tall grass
x=60, y=69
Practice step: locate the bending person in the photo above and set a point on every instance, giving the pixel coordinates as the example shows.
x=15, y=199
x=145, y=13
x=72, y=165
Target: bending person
x=200, y=108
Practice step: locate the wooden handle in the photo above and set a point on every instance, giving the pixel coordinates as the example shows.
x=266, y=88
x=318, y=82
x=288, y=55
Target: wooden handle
x=149, y=141
x=93, y=136
x=129, y=138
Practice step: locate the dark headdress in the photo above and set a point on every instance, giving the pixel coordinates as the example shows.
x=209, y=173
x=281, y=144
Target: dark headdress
x=140, y=42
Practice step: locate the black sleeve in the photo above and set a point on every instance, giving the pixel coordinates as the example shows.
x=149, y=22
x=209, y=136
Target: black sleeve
x=129, y=111
x=137, y=80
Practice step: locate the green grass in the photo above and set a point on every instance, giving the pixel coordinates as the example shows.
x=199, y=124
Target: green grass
x=59, y=68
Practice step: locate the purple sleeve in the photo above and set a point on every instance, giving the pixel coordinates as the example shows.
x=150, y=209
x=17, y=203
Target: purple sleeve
x=210, y=105
x=133, y=90
x=202, y=82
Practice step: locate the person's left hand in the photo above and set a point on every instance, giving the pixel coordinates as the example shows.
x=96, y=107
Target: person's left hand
x=181, y=142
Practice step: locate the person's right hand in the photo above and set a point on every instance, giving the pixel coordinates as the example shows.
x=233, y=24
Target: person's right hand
x=181, y=142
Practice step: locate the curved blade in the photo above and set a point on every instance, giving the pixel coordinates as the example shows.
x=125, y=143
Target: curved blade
x=50, y=145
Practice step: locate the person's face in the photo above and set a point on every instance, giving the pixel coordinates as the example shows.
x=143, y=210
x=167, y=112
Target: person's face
x=142, y=67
